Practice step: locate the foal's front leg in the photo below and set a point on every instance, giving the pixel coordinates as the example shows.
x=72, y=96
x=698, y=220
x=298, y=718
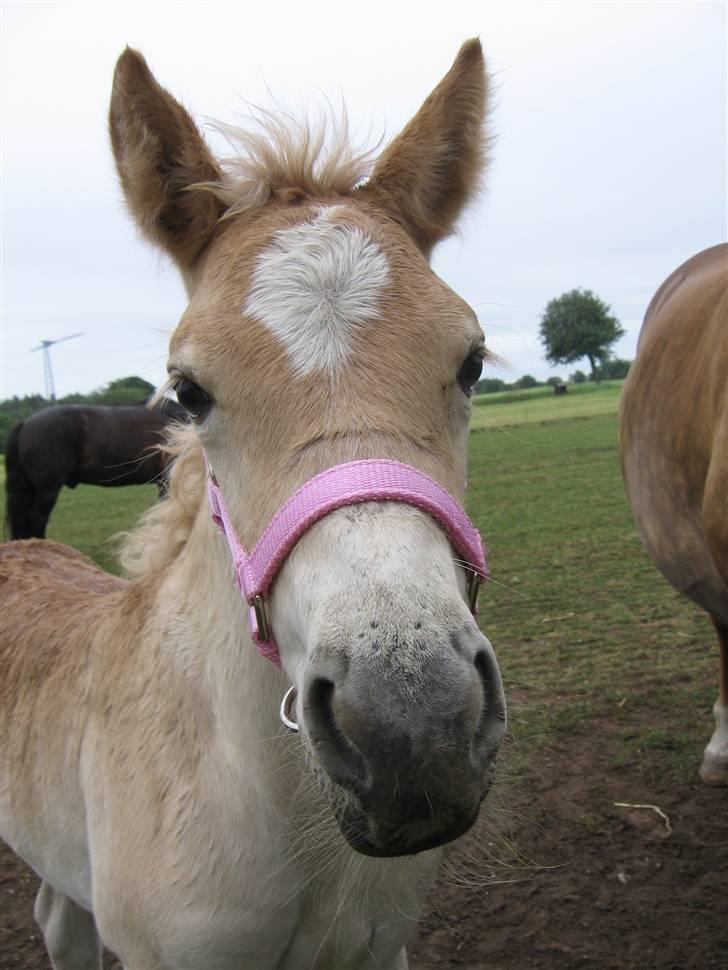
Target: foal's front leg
x=400, y=961
x=69, y=931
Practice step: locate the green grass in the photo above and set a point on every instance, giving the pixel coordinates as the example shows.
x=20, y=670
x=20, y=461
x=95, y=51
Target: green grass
x=539, y=404
x=589, y=636
x=88, y=518
x=585, y=627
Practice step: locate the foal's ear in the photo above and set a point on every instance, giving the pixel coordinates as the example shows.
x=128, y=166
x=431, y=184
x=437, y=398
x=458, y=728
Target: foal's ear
x=159, y=154
x=433, y=167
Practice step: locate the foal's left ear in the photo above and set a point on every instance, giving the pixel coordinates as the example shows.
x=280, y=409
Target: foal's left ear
x=432, y=169
x=159, y=154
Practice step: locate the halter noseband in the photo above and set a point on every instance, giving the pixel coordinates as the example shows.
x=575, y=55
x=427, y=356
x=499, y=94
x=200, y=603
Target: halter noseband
x=370, y=480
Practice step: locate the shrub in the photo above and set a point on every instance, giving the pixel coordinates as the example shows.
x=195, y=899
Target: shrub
x=613, y=369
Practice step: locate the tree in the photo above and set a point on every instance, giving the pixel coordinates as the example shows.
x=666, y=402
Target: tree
x=124, y=390
x=489, y=385
x=526, y=381
x=578, y=324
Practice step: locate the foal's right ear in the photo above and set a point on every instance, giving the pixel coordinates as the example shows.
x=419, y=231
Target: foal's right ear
x=159, y=154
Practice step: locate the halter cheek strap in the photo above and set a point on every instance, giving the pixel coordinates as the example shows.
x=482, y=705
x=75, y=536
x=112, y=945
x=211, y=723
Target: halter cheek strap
x=370, y=480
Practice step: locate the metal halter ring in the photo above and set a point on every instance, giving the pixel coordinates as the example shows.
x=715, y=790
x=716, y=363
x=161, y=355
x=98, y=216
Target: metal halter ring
x=289, y=699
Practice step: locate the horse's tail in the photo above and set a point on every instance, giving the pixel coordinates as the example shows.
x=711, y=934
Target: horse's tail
x=18, y=488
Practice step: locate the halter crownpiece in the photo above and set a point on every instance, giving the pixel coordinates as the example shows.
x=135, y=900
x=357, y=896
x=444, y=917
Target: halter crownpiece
x=369, y=480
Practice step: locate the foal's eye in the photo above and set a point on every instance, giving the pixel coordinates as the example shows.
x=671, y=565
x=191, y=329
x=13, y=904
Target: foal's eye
x=192, y=397
x=470, y=372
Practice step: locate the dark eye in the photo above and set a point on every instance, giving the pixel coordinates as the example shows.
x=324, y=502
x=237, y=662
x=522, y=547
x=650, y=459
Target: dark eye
x=192, y=398
x=470, y=372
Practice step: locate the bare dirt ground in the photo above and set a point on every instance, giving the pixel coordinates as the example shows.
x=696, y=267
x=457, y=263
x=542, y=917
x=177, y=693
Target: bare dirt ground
x=600, y=886
x=577, y=882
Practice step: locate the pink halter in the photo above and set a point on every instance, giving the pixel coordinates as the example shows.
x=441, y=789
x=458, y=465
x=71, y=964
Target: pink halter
x=371, y=480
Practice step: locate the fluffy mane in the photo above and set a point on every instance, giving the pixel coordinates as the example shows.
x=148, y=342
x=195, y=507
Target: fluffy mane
x=162, y=531
x=283, y=154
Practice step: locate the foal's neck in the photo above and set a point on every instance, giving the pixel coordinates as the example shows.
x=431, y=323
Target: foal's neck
x=211, y=642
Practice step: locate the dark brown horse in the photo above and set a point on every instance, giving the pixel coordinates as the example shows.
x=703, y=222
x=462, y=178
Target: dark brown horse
x=75, y=444
x=674, y=443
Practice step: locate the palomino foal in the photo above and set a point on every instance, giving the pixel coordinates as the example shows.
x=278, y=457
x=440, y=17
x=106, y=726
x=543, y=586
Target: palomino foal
x=146, y=775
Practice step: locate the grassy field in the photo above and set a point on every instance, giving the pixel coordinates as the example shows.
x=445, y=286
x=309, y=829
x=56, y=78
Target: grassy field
x=538, y=404
x=89, y=517
x=584, y=626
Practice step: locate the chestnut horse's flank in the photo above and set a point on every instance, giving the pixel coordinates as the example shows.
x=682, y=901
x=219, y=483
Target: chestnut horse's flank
x=674, y=445
x=145, y=773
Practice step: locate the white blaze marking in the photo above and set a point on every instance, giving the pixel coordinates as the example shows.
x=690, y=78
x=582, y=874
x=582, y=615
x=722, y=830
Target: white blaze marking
x=314, y=287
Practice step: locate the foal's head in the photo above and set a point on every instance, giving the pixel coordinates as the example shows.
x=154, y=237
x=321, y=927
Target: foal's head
x=317, y=334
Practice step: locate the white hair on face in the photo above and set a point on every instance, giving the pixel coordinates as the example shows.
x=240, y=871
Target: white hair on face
x=314, y=287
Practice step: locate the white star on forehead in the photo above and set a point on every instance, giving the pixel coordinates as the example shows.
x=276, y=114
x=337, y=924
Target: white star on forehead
x=315, y=287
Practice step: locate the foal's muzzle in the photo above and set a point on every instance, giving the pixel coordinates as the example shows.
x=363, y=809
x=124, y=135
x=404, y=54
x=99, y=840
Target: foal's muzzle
x=416, y=766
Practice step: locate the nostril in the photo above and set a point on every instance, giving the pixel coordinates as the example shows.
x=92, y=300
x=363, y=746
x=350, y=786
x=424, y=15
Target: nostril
x=492, y=722
x=320, y=695
x=341, y=757
x=485, y=671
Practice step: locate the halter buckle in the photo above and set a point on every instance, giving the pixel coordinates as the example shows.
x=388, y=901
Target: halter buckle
x=472, y=587
x=261, y=618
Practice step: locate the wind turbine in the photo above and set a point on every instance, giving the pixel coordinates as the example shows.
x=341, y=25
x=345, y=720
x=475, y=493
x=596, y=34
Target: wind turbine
x=45, y=345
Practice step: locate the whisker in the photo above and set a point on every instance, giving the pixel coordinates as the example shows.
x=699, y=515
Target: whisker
x=490, y=578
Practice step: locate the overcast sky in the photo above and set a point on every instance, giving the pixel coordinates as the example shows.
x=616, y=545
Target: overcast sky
x=609, y=167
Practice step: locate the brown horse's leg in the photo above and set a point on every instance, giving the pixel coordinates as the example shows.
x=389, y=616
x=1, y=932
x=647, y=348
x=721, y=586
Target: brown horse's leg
x=723, y=638
x=714, y=770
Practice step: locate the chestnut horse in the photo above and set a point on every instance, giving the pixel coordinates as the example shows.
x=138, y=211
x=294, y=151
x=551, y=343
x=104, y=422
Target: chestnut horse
x=145, y=774
x=674, y=446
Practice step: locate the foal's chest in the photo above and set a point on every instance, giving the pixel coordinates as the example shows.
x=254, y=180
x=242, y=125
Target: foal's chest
x=333, y=936
x=348, y=940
